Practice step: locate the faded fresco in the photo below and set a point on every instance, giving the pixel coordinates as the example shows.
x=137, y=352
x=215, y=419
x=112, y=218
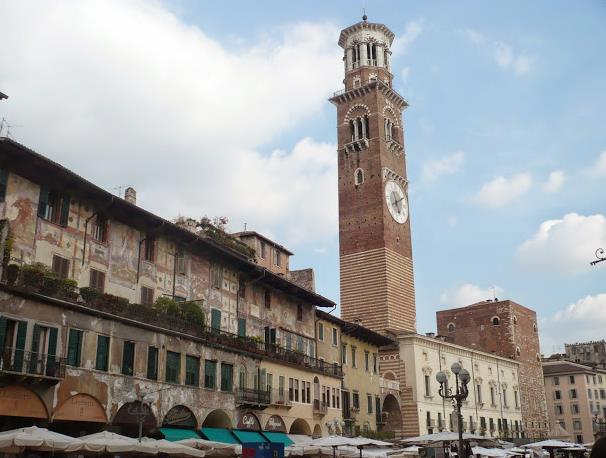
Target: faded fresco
x=21, y=210
x=124, y=243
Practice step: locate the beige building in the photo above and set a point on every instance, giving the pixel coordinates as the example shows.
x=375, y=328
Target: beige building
x=576, y=397
x=492, y=407
x=363, y=392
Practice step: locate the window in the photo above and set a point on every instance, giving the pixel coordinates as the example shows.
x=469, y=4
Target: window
x=147, y=295
x=356, y=400
x=277, y=257
x=571, y=379
x=321, y=332
x=574, y=408
x=299, y=312
x=374, y=363
x=479, y=393
x=369, y=402
x=210, y=374
x=495, y=321
x=589, y=393
x=227, y=377
x=308, y=392
x=573, y=394
x=3, y=182
x=100, y=229
x=53, y=206
x=173, y=367
x=516, y=399
x=556, y=380
x=152, y=363
x=334, y=337
x=242, y=288
x=215, y=319
x=359, y=177
x=102, y=359
x=427, y=386
x=97, y=280
x=263, y=250
x=74, y=347
x=492, y=400
x=242, y=327
x=343, y=354
x=180, y=262
x=128, y=357
x=149, y=248
x=602, y=393
x=518, y=351
x=296, y=390
x=291, y=390
x=353, y=357
x=267, y=299
x=192, y=370
x=451, y=327
x=61, y=266
x=557, y=394
x=577, y=425
x=366, y=361
x=505, y=397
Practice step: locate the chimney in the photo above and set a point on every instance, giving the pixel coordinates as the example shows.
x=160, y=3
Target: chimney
x=130, y=195
x=430, y=334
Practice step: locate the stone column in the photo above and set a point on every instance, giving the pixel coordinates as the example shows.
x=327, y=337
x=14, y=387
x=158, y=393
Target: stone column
x=380, y=60
x=363, y=54
x=349, y=58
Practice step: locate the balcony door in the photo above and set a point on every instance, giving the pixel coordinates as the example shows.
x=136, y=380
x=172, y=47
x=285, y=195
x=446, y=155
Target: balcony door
x=44, y=349
x=12, y=344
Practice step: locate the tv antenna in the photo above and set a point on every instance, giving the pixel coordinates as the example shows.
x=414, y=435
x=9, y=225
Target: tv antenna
x=6, y=127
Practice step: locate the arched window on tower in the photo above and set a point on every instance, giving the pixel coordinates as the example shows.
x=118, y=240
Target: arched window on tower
x=388, y=129
x=372, y=54
x=366, y=130
x=359, y=177
x=352, y=128
x=355, y=53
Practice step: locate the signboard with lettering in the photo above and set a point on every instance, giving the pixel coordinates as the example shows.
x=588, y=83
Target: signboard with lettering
x=180, y=416
x=249, y=421
x=275, y=424
x=129, y=415
x=16, y=401
x=81, y=407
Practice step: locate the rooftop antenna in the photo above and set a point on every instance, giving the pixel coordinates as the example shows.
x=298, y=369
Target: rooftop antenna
x=4, y=125
x=493, y=288
x=119, y=190
x=244, y=227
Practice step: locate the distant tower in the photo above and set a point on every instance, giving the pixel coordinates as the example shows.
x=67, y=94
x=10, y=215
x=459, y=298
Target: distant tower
x=377, y=282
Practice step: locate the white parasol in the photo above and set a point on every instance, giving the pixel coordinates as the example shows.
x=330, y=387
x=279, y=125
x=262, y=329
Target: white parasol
x=34, y=438
x=107, y=442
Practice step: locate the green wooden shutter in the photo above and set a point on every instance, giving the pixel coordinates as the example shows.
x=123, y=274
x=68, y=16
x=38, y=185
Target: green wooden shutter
x=242, y=327
x=74, y=345
x=51, y=360
x=215, y=319
x=102, y=353
x=33, y=363
x=3, y=181
x=128, y=357
x=2, y=333
x=64, y=211
x=20, y=345
x=152, y=363
x=43, y=201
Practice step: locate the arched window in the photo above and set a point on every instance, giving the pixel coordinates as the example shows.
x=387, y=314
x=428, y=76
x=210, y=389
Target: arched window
x=355, y=56
x=359, y=177
x=357, y=82
x=534, y=327
x=451, y=327
x=242, y=378
x=515, y=319
x=366, y=127
x=388, y=129
x=495, y=321
x=518, y=352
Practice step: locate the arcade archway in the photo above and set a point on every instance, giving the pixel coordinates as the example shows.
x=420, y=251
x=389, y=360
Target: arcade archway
x=391, y=414
x=300, y=426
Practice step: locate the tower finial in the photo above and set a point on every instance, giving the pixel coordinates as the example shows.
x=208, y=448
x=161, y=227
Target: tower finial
x=364, y=17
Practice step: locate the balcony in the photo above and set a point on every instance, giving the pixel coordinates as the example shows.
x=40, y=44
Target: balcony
x=319, y=408
x=389, y=386
x=31, y=367
x=252, y=398
x=356, y=145
x=279, y=398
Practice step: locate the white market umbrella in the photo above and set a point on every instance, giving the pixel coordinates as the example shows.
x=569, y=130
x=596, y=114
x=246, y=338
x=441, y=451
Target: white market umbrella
x=376, y=443
x=551, y=443
x=108, y=442
x=490, y=452
x=303, y=450
x=444, y=436
x=172, y=448
x=35, y=438
x=212, y=448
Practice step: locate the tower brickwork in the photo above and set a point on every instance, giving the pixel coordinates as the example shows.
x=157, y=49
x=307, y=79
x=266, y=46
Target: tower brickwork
x=377, y=282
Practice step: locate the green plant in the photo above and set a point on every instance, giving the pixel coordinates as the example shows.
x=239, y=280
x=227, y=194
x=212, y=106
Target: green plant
x=256, y=339
x=89, y=294
x=167, y=305
x=34, y=275
x=12, y=273
x=69, y=288
x=113, y=301
x=192, y=312
x=50, y=285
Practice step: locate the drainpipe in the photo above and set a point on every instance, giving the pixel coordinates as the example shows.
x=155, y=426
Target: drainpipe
x=500, y=396
x=139, y=257
x=473, y=378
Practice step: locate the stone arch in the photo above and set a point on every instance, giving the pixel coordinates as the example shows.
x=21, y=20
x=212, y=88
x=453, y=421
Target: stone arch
x=451, y=327
x=18, y=401
x=128, y=423
x=359, y=176
x=356, y=107
x=495, y=321
x=389, y=113
x=80, y=407
x=217, y=419
x=391, y=414
x=317, y=431
x=248, y=420
x=181, y=416
x=300, y=426
x=389, y=375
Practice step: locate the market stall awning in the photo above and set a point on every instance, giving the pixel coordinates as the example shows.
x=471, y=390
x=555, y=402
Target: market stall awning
x=278, y=438
x=177, y=434
x=249, y=436
x=219, y=435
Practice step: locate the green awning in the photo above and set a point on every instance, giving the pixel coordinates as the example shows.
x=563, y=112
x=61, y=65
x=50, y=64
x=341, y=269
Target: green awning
x=278, y=438
x=177, y=434
x=219, y=435
x=249, y=436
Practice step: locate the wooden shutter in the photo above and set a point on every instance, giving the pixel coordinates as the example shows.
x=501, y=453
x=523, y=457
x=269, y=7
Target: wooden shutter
x=3, y=324
x=43, y=201
x=152, y=363
x=35, y=345
x=128, y=357
x=20, y=345
x=64, y=217
x=102, y=353
x=74, y=345
x=210, y=374
x=3, y=181
x=173, y=367
x=192, y=370
x=215, y=319
x=242, y=327
x=51, y=360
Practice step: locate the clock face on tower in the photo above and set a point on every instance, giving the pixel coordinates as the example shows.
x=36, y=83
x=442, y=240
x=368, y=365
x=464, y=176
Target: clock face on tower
x=396, y=201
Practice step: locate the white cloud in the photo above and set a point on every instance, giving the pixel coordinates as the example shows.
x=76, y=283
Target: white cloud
x=446, y=165
x=519, y=63
x=583, y=320
x=405, y=74
x=599, y=168
x=468, y=294
x=126, y=93
x=501, y=190
x=554, y=182
x=403, y=41
x=564, y=245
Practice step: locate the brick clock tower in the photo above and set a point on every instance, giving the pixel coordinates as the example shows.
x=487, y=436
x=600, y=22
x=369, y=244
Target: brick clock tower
x=377, y=284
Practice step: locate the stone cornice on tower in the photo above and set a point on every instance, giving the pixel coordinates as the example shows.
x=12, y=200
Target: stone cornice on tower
x=345, y=96
x=363, y=25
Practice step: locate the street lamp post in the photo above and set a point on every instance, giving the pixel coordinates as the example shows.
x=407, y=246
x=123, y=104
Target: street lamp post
x=459, y=395
x=140, y=409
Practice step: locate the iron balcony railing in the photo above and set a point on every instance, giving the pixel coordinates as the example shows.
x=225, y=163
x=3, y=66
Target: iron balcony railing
x=252, y=396
x=18, y=361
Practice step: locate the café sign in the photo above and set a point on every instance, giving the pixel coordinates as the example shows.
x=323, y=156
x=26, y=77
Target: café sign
x=180, y=416
x=249, y=422
x=275, y=424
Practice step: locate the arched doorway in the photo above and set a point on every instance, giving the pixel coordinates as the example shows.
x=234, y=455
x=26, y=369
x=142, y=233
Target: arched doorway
x=217, y=419
x=317, y=431
x=79, y=415
x=127, y=420
x=300, y=426
x=179, y=416
x=391, y=414
x=20, y=407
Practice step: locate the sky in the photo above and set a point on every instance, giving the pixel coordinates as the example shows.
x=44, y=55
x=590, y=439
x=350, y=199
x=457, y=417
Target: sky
x=220, y=109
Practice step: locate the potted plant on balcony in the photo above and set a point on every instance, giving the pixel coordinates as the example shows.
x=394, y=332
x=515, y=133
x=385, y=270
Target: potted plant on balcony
x=12, y=273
